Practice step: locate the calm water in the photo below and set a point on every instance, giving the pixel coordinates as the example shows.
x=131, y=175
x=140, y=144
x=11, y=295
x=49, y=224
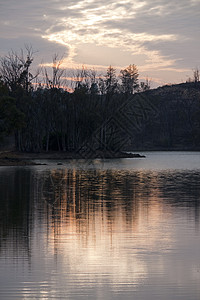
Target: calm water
x=102, y=229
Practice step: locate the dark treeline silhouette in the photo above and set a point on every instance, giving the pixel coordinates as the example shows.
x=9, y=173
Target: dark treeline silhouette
x=43, y=115
x=177, y=123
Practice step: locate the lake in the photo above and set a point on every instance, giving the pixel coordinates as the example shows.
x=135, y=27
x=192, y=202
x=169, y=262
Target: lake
x=102, y=229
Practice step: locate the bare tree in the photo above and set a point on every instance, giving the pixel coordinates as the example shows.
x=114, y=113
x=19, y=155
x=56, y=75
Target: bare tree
x=15, y=69
x=55, y=80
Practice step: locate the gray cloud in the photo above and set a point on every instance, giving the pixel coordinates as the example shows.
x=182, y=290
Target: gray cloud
x=185, y=56
x=184, y=20
x=43, y=49
x=27, y=21
x=171, y=17
x=24, y=22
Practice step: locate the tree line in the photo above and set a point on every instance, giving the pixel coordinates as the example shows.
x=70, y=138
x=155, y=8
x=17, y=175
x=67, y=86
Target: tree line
x=42, y=113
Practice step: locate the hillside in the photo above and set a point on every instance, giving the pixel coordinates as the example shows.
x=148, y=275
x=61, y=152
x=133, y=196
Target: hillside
x=176, y=123
x=166, y=118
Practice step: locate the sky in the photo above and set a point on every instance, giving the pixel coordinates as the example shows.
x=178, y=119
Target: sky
x=161, y=37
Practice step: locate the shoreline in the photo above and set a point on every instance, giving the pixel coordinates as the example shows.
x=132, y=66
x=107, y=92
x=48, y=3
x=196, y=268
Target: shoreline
x=14, y=158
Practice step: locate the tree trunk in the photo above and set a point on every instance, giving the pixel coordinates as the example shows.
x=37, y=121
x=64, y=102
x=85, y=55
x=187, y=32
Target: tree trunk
x=47, y=142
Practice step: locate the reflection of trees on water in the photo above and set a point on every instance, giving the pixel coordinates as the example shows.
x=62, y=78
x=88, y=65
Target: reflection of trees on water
x=16, y=207
x=29, y=198
x=84, y=192
x=182, y=189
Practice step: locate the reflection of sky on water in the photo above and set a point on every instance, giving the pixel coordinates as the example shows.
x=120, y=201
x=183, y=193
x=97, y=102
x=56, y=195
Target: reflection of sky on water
x=153, y=161
x=109, y=248
x=86, y=233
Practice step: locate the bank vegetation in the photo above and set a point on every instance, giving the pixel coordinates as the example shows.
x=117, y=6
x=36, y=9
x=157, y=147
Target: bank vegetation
x=43, y=114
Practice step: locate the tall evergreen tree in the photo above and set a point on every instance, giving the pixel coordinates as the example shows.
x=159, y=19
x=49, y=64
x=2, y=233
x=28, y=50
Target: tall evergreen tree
x=111, y=80
x=129, y=79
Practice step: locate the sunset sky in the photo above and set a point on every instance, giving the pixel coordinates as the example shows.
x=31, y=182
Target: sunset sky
x=161, y=37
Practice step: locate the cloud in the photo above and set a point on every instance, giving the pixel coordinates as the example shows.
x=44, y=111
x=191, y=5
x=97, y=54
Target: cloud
x=43, y=50
x=154, y=34
x=106, y=55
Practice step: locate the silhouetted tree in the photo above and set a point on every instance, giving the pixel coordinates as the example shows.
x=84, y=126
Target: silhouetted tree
x=110, y=81
x=10, y=117
x=144, y=85
x=196, y=75
x=54, y=76
x=129, y=79
x=15, y=70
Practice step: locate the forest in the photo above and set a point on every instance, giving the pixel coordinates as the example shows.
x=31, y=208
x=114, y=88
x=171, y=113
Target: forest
x=101, y=112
